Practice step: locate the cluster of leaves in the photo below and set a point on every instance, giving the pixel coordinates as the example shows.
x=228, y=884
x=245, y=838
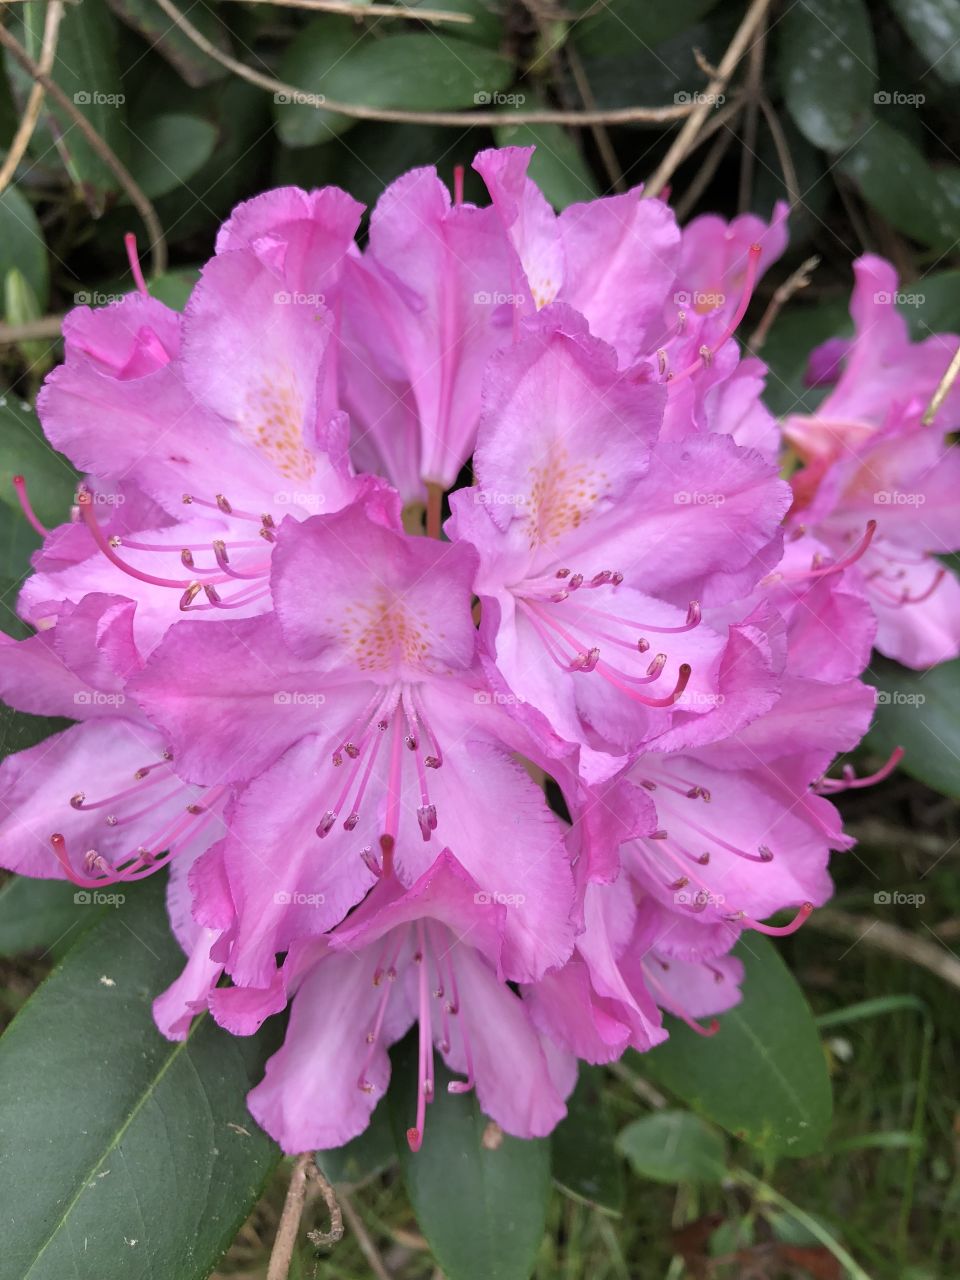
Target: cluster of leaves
x=162, y=1162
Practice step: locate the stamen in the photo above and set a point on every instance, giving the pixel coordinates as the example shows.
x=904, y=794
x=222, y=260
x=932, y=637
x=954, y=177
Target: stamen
x=706, y=354
x=20, y=487
x=772, y=930
x=130, y=243
x=838, y=566
x=850, y=782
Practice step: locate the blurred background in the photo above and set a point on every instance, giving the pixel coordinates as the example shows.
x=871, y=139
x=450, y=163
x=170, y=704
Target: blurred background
x=157, y=116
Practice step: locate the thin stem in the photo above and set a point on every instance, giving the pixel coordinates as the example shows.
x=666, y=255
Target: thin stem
x=158, y=245
x=455, y=119
x=31, y=114
x=738, y=46
x=378, y=10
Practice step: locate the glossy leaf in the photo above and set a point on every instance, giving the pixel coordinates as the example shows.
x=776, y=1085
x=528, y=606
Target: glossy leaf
x=137, y=1156
x=763, y=1076
x=175, y=45
x=585, y=1163
x=828, y=69
x=24, y=450
x=674, y=1146
x=933, y=26
x=557, y=167
x=411, y=72
x=919, y=711
x=366, y=1156
x=21, y=243
x=41, y=914
x=87, y=70
x=480, y=1196
x=893, y=175
x=170, y=150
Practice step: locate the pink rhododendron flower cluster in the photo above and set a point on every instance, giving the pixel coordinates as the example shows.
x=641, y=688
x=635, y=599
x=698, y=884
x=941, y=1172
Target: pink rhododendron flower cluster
x=335, y=731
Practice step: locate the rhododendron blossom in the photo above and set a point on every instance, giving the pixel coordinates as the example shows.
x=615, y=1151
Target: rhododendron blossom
x=336, y=731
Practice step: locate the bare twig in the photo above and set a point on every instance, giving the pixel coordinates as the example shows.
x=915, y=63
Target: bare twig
x=891, y=939
x=372, y=10
x=781, y=296
x=791, y=182
x=704, y=175
x=367, y=1247
x=31, y=113
x=158, y=245
x=738, y=46
x=281, y=1255
x=750, y=120
x=600, y=135
x=45, y=327
x=455, y=119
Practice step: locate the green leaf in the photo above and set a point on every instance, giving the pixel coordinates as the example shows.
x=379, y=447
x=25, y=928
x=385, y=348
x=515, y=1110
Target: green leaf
x=366, y=1156
x=174, y=287
x=558, y=167
x=38, y=914
x=410, y=72
x=123, y=1153
x=674, y=1146
x=939, y=312
x=22, y=245
x=481, y=1207
x=796, y=332
x=170, y=150
x=933, y=26
x=176, y=46
x=18, y=730
x=896, y=179
x=86, y=69
x=763, y=1076
x=828, y=69
x=51, y=480
x=584, y=1160
x=919, y=711
x=625, y=25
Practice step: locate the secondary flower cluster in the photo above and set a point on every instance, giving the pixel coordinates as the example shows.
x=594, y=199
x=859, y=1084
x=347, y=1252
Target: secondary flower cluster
x=337, y=732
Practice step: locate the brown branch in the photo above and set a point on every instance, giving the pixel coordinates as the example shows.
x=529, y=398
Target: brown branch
x=456, y=119
x=31, y=114
x=738, y=46
x=367, y=1247
x=891, y=939
x=782, y=147
x=781, y=296
x=367, y=10
x=158, y=245
x=285, y=1242
x=45, y=327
